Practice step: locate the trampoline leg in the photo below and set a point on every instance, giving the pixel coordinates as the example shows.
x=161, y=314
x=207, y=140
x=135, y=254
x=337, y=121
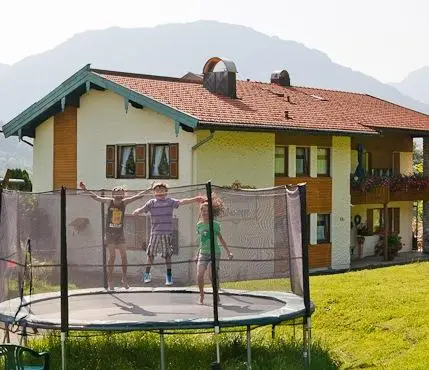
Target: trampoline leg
x=273, y=331
x=23, y=340
x=249, y=350
x=307, y=340
x=6, y=338
x=63, y=351
x=161, y=335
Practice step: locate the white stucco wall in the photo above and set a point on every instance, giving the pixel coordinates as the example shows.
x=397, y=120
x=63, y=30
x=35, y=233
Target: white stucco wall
x=229, y=156
x=292, y=160
x=406, y=163
x=43, y=157
x=313, y=161
x=340, y=217
x=101, y=120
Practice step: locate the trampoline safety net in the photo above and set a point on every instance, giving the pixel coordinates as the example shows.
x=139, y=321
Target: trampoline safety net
x=261, y=229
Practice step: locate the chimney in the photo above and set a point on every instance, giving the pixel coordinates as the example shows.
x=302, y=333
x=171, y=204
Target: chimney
x=280, y=78
x=220, y=82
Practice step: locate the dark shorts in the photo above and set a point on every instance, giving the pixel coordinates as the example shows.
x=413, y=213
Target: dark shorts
x=115, y=237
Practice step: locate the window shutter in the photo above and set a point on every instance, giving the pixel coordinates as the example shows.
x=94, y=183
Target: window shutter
x=141, y=161
x=174, y=161
x=110, y=161
x=396, y=167
x=370, y=220
x=396, y=220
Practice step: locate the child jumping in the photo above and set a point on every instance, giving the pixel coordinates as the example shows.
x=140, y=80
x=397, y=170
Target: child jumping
x=204, y=252
x=114, y=229
x=161, y=210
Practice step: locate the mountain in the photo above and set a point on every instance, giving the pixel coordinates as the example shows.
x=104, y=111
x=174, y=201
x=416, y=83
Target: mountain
x=416, y=85
x=175, y=49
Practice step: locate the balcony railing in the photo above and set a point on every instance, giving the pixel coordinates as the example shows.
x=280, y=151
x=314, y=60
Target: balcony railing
x=385, y=189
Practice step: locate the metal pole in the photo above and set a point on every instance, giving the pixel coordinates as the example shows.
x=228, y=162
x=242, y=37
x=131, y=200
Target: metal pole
x=103, y=244
x=249, y=349
x=386, y=232
x=161, y=335
x=305, y=271
x=214, y=271
x=64, y=281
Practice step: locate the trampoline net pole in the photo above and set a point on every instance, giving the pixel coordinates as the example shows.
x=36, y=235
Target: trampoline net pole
x=103, y=243
x=249, y=349
x=64, y=279
x=213, y=257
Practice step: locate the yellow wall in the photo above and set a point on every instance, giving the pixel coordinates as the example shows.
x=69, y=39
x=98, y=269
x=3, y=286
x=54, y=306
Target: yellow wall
x=229, y=156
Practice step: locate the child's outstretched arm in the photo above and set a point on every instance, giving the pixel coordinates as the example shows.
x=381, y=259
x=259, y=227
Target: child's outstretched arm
x=93, y=195
x=197, y=199
x=225, y=246
x=138, y=195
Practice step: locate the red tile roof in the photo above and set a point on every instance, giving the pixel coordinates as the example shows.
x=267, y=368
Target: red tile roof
x=268, y=105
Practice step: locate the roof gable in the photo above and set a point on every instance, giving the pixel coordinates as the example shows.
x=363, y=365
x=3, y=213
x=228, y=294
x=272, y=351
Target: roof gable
x=70, y=91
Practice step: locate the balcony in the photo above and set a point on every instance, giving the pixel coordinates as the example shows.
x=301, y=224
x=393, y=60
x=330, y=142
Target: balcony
x=385, y=189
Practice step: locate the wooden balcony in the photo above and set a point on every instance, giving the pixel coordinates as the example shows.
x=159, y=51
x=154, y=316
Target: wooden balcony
x=382, y=195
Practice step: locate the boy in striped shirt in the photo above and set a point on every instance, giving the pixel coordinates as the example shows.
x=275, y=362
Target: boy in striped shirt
x=161, y=210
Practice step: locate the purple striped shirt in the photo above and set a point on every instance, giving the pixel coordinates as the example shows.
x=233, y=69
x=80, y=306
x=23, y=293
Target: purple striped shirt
x=161, y=212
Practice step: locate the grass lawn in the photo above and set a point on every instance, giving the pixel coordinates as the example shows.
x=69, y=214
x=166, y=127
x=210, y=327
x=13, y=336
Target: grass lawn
x=373, y=318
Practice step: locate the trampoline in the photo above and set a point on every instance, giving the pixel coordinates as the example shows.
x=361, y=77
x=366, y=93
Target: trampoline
x=55, y=265
x=143, y=308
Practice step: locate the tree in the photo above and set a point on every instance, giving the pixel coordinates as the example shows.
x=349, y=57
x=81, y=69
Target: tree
x=417, y=159
x=17, y=173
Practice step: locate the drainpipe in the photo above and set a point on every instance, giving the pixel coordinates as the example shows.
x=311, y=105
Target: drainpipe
x=196, y=146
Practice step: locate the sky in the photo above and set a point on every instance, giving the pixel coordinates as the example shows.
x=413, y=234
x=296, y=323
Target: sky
x=386, y=39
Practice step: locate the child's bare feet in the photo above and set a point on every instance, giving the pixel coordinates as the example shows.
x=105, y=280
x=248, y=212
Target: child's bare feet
x=125, y=284
x=201, y=299
x=110, y=286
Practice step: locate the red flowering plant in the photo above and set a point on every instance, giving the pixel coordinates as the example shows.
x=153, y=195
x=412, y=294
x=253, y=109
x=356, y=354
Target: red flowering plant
x=416, y=182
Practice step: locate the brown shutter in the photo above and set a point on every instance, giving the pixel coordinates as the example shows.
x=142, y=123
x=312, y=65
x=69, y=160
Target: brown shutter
x=369, y=158
x=370, y=220
x=110, y=161
x=396, y=167
x=141, y=160
x=396, y=220
x=174, y=161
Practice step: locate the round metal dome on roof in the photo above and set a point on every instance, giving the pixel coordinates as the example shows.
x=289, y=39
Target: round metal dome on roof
x=212, y=62
x=280, y=77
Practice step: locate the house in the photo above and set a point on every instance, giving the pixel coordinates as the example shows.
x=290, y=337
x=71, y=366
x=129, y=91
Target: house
x=111, y=128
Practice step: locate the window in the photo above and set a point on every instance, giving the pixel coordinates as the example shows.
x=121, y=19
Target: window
x=376, y=220
x=323, y=162
x=126, y=161
x=302, y=161
x=164, y=160
x=281, y=161
x=323, y=228
x=129, y=161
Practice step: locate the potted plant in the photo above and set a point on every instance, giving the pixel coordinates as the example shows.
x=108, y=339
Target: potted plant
x=394, y=245
x=362, y=231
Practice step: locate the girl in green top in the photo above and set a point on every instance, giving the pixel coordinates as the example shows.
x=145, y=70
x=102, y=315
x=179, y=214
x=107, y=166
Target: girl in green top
x=204, y=254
